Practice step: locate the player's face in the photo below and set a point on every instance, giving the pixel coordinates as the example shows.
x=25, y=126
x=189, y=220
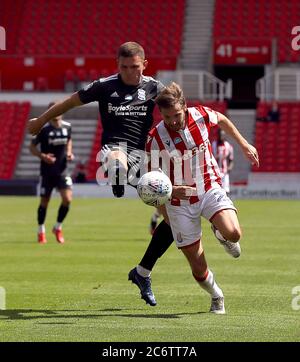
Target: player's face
x=131, y=69
x=56, y=122
x=174, y=117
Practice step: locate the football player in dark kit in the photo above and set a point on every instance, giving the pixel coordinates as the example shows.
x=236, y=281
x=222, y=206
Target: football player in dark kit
x=55, y=150
x=126, y=104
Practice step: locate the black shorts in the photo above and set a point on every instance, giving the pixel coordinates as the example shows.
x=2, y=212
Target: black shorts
x=48, y=183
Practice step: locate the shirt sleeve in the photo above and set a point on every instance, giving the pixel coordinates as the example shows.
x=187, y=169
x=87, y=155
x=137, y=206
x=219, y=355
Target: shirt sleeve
x=70, y=133
x=213, y=116
x=91, y=92
x=36, y=139
x=160, y=87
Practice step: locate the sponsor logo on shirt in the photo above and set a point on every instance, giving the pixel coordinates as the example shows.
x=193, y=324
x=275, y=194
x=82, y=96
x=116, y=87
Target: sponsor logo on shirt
x=57, y=141
x=127, y=110
x=177, y=140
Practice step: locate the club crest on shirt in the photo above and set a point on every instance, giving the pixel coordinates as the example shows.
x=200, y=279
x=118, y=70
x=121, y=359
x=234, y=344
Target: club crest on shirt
x=141, y=95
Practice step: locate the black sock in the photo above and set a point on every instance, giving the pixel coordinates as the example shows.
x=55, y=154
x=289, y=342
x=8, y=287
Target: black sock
x=161, y=240
x=62, y=212
x=41, y=215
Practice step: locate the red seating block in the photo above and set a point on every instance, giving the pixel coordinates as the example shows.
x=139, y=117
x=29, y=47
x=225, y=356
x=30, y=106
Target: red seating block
x=13, y=118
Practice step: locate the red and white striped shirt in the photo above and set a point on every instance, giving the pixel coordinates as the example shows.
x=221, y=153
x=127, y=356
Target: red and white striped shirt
x=223, y=153
x=187, y=154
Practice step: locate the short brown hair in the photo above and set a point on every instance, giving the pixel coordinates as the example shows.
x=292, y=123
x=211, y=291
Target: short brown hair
x=170, y=96
x=130, y=49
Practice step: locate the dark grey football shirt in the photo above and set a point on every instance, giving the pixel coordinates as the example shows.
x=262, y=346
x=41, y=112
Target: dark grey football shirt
x=126, y=111
x=54, y=140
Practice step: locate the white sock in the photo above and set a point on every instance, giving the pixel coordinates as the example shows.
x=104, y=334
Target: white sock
x=58, y=226
x=211, y=286
x=143, y=272
x=219, y=235
x=42, y=228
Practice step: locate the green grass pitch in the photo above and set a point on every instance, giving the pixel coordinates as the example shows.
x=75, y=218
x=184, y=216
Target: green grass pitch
x=79, y=291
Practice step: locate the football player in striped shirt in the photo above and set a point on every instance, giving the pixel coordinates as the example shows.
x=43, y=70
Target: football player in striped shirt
x=223, y=153
x=181, y=140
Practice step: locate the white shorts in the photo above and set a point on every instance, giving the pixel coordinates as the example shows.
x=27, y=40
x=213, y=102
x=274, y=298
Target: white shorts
x=185, y=220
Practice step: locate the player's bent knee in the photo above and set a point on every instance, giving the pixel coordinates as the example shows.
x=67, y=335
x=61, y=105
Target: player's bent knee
x=66, y=202
x=234, y=235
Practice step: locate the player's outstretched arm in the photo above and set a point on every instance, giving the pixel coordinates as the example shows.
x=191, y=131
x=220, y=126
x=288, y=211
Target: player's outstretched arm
x=35, y=124
x=249, y=151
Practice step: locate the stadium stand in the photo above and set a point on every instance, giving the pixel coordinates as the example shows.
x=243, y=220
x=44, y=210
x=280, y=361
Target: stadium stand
x=278, y=143
x=259, y=20
x=13, y=117
x=92, y=164
x=51, y=53
x=51, y=42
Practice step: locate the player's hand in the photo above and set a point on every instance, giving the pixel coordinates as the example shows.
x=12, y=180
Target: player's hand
x=34, y=126
x=48, y=158
x=252, y=155
x=70, y=156
x=184, y=192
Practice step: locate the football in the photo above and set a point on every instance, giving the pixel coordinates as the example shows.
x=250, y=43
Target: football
x=154, y=188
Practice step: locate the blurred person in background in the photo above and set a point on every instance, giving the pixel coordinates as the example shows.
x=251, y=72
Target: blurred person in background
x=55, y=150
x=223, y=153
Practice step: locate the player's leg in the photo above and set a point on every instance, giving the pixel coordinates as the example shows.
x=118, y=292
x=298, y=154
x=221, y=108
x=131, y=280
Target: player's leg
x=205, y=278
x=154, y=220
x=45, y=190
x=41, y=215
x=65, y=190
x=114, y=161
x=220, y=211
x=227, y=223
x=161, y=239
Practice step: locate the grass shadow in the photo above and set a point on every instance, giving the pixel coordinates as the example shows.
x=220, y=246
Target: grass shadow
x=35, y=314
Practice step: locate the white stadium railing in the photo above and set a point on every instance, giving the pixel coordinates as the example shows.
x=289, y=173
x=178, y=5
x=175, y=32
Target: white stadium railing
x=282, y=84
x=198, y=84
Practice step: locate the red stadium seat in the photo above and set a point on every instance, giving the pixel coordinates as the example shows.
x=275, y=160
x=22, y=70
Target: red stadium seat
x=278, y=144
x=15, y=114
x=258, y=20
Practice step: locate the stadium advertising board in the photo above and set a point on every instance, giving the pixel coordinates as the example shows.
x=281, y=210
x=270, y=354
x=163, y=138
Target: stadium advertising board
x=239, y=51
